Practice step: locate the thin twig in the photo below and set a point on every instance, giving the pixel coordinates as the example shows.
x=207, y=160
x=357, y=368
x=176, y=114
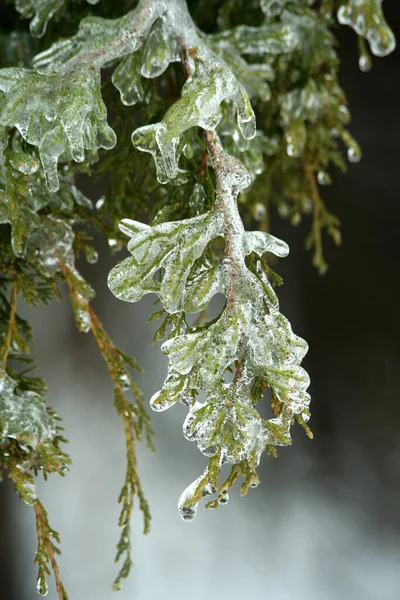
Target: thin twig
x=41, y=526
x=228, y=206
x=11, y=325
x=318, y=206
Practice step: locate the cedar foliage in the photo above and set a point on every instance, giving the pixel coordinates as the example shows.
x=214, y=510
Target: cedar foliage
x=184, y=111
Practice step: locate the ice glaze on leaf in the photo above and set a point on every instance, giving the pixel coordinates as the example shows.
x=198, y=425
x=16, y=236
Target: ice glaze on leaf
x=61, y=113
x=24, y=415
x=250, y=334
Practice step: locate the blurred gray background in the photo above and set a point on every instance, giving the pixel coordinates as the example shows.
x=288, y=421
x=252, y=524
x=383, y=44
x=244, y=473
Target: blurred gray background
x=325, y=523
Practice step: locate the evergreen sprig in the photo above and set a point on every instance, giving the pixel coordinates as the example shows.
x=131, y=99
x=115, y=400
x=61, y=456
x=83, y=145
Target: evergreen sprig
x=236, y=109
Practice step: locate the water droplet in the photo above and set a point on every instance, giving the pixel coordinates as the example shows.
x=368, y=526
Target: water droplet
x=367, y=19
x=354, y=154
x=296, y=218
x=307, y=205
x=124, y=381
x=283, y=210
x=92, y=256
x=41, y=585
x=259, y=211
x=324, y=178
x=365, y=63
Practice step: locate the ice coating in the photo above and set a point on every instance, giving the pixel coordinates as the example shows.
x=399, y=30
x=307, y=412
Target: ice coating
x=24, y=416
x=209, y=82
x=189, y=512
x=52, y=242
x=75, y=123
x=41, y=11
x=367, y=19
x=65, y=86
x=250, y=335
x=232, y=426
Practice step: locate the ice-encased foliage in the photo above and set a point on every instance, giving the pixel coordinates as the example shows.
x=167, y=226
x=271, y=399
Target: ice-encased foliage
x=174, y=259
x=250, y=334
x=41, y=12
x=57, y=106
x=154, y=78
x=367, y=19
x=24, y=416
x=23, y=193
x=63, y=115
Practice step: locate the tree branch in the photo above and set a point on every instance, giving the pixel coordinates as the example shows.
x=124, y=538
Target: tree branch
x=11, y=325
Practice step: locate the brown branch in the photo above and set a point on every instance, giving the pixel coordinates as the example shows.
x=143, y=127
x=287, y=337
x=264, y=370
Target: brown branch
x=89, y=57
x=11, y=326
x=228, y=206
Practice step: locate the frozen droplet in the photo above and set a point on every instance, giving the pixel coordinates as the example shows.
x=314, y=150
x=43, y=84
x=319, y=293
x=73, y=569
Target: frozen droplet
x=259, y=211
x=306, y=205
x=92, y=256
x=188, y=151
x=100, y=203
x=41, y=585
x=188, y=513
x=324, y=178
x=367, y=19
x=261, y=242
x=354, y=154
x=124, y=381
x=223, y=499
x=296, y=135
x=296, y=219
x=159, y=405
x=365, y=63
x=83, y=319
x=112, y=242
x=25, y=163
x=283, y=210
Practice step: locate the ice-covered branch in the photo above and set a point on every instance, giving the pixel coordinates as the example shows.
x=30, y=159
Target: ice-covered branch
x=249, y=333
